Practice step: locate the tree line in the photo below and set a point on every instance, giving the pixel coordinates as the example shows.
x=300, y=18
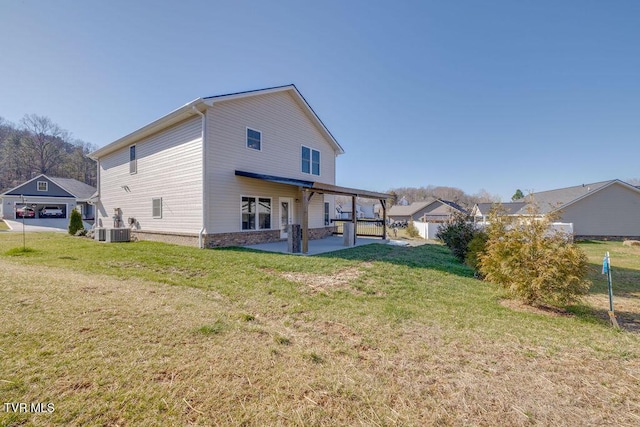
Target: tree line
x=37, y=146
x=452, y=194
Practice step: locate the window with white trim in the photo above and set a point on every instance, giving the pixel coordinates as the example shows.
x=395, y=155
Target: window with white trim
x=43, y=186
x=327, y=219
x=133, y=165
x=256, y=213
x=310, y=161
x=254, y=139
x=156, y=207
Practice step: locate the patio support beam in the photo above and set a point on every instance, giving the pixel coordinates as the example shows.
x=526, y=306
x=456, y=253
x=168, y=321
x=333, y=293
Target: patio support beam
x=383, y=202
x=305, y=220
x=354, y=219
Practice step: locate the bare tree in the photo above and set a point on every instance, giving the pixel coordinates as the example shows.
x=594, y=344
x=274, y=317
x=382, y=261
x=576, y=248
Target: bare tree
x=40, y=146
x=43, y=143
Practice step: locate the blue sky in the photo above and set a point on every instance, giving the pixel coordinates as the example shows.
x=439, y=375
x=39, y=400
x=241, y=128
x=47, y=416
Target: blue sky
x=493, y=95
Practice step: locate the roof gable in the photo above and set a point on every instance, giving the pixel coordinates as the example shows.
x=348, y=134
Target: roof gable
x=453, y=205
x=200, y=104
x=30, y=188
x=56, y=187
x=297, y=96
x=401, y=210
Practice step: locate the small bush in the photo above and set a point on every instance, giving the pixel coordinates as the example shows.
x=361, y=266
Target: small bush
x=457, y=234
x=81, y=233
x=534, y=265
x=412, y=231
x=75, y=223
x=475, y=249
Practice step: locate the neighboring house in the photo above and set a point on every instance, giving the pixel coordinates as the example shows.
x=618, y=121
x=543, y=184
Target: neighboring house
x=480, y=212
x=441, y=210
x=362, y=211
x=225, y=170
x=437, y=210
x=602, y=210
x=44, y=191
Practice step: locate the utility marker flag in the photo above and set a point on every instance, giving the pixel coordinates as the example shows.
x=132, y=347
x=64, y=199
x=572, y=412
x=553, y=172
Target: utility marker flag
x=606, y=269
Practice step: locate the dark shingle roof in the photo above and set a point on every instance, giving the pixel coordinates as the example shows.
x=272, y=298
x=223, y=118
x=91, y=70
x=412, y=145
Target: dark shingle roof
x=454, y=205
x=551, y=200
x=400, y=210
x=79, y=189
x=511, y=208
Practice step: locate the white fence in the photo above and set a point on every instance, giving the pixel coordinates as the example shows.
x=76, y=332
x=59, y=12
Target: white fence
x=428, y=230
x=558, y=227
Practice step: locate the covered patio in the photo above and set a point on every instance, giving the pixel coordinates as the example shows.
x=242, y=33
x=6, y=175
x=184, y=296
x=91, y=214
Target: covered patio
x=317, y=246
x=308, y=189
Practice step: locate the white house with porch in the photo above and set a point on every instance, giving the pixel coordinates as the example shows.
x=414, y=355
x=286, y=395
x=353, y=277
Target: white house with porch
x=224, y=170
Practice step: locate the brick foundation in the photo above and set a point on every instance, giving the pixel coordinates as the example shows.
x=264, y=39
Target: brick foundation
x=254, y=237
x=219, y=240
x=183, y=239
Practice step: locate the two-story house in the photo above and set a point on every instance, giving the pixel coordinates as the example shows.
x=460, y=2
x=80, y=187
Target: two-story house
x=224, y=170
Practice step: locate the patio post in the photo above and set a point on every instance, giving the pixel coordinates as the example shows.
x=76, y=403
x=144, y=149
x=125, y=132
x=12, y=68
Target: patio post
x=305, y=221
x=383, y=202
x=354, y=219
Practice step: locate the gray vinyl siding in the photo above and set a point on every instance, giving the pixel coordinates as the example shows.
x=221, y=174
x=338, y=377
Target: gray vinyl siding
x=284, y=128
x=30, y=188
x=612, y=211
x=169, y=165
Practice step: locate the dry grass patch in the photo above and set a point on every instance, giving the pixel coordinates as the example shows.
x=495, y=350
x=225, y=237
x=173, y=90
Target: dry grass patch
x=341, y=279
x=248, y=348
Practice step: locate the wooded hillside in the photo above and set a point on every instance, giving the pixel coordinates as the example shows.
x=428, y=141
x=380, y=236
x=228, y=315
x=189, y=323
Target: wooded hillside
x=37, y=145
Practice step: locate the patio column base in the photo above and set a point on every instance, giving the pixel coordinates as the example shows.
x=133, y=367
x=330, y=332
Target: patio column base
x=294, y=239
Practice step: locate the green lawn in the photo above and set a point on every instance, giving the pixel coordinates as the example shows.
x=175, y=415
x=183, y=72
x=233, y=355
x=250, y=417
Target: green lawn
x=146, y=334
x=3, y=225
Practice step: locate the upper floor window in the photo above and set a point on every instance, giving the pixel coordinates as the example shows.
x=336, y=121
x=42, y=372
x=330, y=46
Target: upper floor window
x=254, y=139
x=310, y=161
x=43, y=186
x=133, y=167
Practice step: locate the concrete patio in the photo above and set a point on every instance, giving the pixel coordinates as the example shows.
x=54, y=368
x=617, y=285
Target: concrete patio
x=319, y=246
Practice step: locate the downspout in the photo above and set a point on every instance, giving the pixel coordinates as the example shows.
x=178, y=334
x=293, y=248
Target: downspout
x=95, y=205
x=203, y=229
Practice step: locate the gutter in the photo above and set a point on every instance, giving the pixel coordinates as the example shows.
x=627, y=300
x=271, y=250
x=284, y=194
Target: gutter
x=203, y=229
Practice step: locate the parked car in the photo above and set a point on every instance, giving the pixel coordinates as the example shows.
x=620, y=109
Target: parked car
x=51, y=212
x=25, y=212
